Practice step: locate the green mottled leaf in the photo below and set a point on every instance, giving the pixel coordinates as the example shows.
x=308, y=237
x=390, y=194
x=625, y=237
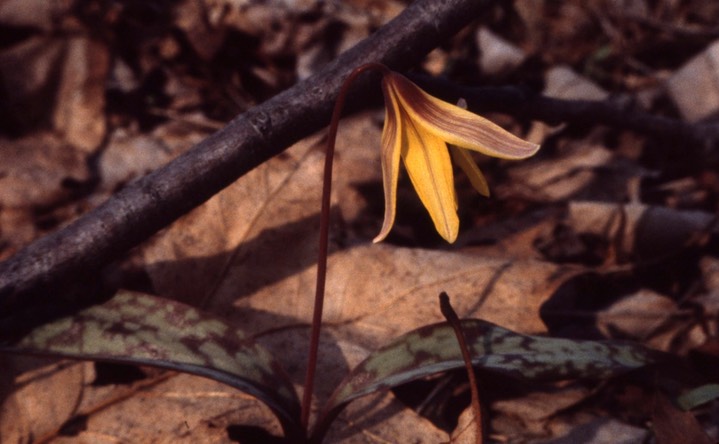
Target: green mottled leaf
x=698, y=396
x=434, y=348
x=141, y=329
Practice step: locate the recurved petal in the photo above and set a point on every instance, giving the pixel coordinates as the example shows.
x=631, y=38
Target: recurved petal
x=430, y=170
x=390, y=155
x=456, y=125
x=469, y=166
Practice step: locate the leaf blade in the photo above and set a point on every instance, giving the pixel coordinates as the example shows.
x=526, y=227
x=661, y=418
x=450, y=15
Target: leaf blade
x=141, y=329
x=433, y=348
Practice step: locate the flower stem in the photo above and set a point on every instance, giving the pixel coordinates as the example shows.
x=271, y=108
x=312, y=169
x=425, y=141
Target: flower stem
x=324, y=236
x=453, y=320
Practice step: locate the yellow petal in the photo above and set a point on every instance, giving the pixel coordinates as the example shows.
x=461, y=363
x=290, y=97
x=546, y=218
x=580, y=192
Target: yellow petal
x=456, y=125
x=430, y=170
x=469, y=166
x=391, y=148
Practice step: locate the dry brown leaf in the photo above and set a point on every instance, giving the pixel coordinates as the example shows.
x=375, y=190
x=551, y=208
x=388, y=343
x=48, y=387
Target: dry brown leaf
x=27, y=72
x=532, y=412
x=262, y=226
x=600, y=431
x=564, y=83
x=377, y=292
x=380, y=418
x=39, y=14
x=559, y=178
x=183, y=408
x=80, y=103
x=243, y=223
x=637, y=316
x=205, y=37
x=497, y=56
x=45, y=394
x=169, y=408
x=646, y=231
x=466, y=430
x=35, y=168
x=129, y=155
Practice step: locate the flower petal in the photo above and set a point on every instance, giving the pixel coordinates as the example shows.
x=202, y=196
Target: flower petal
x=457, y=126
x=469, y=166
x=391, y=148
x=430, y=170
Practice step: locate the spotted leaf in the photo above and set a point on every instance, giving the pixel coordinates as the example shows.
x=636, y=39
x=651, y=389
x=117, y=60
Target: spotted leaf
x=433, y=348
x=140, y=329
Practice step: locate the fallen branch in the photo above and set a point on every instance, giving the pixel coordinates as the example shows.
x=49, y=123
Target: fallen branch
x=53, y=263
x=702, y=138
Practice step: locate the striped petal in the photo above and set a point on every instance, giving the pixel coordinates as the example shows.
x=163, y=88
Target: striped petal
x=462, y=158
x=455, y=125
x=391, y=148
x=429, y=168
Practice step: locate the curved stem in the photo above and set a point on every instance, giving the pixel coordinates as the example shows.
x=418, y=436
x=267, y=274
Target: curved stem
x=451, y=316
x=324, y=236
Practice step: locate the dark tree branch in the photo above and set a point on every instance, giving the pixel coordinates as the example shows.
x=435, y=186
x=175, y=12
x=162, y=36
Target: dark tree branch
x=52, y=263
x=525, y=104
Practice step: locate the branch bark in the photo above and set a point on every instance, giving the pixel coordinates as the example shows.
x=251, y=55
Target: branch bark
x=700, y=138
x=52, y=263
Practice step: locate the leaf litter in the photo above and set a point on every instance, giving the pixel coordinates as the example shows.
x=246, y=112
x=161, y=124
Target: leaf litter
x=607, y=233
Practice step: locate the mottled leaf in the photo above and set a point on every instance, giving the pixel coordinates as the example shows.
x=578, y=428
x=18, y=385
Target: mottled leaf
x=146, y=330
x=434, y=348
x=698, y=396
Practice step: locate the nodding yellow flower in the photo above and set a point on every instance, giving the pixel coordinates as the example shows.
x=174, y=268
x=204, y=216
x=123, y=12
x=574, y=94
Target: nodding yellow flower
x=419, y=128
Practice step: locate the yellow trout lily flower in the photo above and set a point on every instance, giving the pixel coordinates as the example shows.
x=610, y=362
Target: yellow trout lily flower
x=419, y=128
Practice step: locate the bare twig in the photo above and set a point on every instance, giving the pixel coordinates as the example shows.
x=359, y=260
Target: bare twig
x=143, y=207
x=525, y=104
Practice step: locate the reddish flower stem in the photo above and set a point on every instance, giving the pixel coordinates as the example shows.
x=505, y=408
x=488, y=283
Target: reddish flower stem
x=454, y=321
x=324, y=236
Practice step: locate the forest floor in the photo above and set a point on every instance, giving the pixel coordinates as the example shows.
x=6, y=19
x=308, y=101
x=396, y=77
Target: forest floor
x=608, y=233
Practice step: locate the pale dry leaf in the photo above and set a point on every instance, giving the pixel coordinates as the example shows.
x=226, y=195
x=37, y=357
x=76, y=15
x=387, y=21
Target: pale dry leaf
x=263, y=227
x=205, y=37
x=256, y=217
x=35, y=169
x=466, y=430
x=534, y=410
x=356, y=163
x=37, y=14
x=694, y=87
x=16, y=230
x=44, y=395
x=710, y=301
x=497, y=56
x=559, y=178
x=377, y=292
x=129, y=156
x=563, y=83
x=600, y=431
x=380, y=419
x=646, y=231
x=182, y=408
x=638, y=315
x=27, y=72
x=80, y=103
